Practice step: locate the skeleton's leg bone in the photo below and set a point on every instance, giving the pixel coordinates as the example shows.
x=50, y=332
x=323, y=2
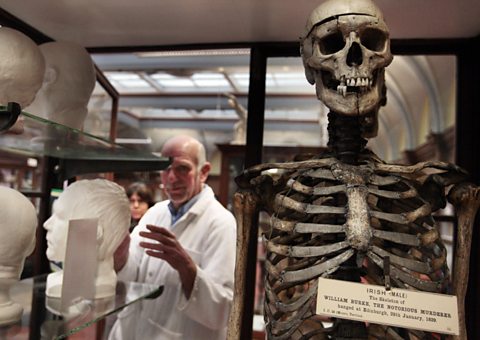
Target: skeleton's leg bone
x=245, y=207
x=466, y=199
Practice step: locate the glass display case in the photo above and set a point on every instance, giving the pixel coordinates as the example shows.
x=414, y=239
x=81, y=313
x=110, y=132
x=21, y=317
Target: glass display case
x=61, y=153
x=42, y=319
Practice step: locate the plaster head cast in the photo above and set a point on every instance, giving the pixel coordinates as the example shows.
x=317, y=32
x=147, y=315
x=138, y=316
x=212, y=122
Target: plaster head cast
x=98, y=198
x=17, y=241
x=22, y=67
x=67, y=86
x=345, y=49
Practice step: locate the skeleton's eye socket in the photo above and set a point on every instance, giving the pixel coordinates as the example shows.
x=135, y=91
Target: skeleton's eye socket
x=331, y=43
x=374, y=39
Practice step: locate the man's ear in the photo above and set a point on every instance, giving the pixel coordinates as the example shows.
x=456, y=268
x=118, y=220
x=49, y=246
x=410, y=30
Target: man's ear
x=204, y=171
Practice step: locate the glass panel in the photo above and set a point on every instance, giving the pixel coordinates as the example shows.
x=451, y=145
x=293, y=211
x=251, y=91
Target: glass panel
x=75, y=152
x=45, y=138
x=293, y=114
x=99, y=115
x=41, y=317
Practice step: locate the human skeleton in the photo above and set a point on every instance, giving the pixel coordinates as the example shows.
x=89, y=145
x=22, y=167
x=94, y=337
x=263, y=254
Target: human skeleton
x=346, y=214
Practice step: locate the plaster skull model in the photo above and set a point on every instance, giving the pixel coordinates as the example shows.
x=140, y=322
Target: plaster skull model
x=345, y=214
x=17, y=241
x=98, y=198
x=67, y=86
x=21, y=70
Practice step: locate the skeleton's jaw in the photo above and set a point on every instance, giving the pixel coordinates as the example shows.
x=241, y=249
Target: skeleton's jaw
x=351, y=96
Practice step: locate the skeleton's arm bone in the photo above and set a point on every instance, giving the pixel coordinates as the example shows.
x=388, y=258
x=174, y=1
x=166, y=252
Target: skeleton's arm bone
x=245, y=208
x=466, y=199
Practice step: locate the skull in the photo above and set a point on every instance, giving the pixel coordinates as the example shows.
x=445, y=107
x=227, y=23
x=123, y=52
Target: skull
x=345, y=50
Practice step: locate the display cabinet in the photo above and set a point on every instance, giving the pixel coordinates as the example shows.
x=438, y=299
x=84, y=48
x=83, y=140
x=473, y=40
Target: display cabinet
x=62, y=154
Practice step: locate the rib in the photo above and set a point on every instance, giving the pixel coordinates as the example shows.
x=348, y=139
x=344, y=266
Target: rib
x=315, y=271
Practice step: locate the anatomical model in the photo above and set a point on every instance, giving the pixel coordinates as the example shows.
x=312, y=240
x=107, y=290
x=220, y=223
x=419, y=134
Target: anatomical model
x=341, y=214
x=17, y=241
x=97, y=198
x=67, y=85
x=22, y=67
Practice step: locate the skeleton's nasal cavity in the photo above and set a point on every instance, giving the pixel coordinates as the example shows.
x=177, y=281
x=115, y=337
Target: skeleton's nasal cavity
x=357, y=225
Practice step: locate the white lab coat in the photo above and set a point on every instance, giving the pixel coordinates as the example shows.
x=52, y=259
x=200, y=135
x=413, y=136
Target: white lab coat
x=208, y=232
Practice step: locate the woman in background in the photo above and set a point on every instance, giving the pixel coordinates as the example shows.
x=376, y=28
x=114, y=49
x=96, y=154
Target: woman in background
x=141, y=198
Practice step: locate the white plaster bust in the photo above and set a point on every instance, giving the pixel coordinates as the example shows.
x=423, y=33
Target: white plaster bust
x=21, y=70
x=67, y=86
x=17, y=241
x=97, y=198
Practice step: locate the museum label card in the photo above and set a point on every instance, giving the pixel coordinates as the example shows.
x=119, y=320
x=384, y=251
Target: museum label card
x=396, y=307
x=80, y=266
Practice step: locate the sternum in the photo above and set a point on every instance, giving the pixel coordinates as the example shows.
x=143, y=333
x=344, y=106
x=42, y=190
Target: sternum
x=357, y=225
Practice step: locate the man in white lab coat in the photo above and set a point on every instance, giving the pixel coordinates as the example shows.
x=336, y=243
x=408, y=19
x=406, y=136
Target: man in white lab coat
x=187, y=244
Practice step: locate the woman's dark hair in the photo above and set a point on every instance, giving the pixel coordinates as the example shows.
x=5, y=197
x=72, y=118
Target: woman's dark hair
x=142, y=191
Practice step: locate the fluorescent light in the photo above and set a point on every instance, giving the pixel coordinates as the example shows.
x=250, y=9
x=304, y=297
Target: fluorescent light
x=32, y=162
x=194, y=53
x=133, y=140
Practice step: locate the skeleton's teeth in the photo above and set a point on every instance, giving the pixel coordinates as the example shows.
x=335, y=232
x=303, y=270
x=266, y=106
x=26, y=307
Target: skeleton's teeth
x=362, y=83
x=342, y=89
x=358, y=82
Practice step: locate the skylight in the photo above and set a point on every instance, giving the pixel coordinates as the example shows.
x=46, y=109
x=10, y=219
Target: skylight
x=129, y=82
x=196, y=82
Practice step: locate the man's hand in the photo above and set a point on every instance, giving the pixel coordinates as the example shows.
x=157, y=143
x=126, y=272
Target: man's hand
x=169, y=249
x=120, y=256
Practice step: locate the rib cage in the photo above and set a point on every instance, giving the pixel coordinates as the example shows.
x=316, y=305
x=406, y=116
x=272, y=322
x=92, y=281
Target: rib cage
x=330, y=215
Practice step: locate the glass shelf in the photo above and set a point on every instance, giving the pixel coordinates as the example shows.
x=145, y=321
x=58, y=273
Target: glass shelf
x=76, y=151
x=41, y=319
